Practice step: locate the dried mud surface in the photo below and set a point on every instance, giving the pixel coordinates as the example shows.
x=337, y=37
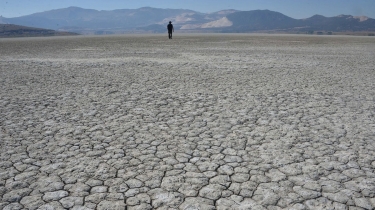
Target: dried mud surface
x=197, y=122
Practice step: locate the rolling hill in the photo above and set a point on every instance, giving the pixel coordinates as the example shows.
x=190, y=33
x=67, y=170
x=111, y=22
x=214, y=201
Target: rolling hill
x=147, y=19
x=10, y=30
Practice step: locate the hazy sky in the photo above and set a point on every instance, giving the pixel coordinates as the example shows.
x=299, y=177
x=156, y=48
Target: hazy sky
x=292, y=8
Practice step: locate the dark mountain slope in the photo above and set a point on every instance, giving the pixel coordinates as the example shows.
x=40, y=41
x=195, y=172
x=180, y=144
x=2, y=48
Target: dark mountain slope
x=147, y=19
x=260, y=20
x=339, y=23
x=94, y=19
x=10, y=30
x=265, y=20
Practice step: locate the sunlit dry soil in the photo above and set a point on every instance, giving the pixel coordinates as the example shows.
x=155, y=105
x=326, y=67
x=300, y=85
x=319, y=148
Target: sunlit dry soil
x=198, y=122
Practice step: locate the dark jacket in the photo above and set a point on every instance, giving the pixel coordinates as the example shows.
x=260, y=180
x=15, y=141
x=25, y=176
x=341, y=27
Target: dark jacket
x=170, y=27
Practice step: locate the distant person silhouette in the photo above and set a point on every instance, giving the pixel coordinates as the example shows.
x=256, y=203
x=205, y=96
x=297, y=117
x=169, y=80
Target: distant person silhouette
x=170, y=29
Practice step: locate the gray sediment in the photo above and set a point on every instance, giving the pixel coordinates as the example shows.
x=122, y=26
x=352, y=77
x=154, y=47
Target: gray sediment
x=210, y=121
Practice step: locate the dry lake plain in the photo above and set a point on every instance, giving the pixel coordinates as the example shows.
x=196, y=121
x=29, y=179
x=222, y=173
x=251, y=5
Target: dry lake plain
x=202, y=121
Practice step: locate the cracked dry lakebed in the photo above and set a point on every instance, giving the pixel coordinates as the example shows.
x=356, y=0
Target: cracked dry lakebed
x=203, y=121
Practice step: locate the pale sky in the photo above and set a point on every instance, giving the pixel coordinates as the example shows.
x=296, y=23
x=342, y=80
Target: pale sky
x=292, y=8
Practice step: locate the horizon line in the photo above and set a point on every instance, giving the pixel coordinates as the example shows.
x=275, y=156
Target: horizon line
x=186, y=9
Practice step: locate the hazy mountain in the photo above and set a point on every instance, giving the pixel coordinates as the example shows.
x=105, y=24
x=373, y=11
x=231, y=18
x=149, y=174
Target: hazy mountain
x=75, y=17
x=2, y=20
x=10, y=30
x=339, y=23
x=149, y=19
x=265, y=20
x=260, y=20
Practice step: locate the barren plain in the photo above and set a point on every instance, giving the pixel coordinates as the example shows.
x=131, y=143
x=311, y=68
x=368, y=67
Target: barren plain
x=213, y=121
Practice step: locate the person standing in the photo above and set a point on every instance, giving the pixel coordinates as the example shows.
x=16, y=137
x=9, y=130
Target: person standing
x=170, y=29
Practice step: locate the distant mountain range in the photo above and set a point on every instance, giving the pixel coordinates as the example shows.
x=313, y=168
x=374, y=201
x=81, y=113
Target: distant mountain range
x=147, y=19
x=10, y=30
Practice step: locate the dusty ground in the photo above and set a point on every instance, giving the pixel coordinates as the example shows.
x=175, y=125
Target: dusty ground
x=197, y=122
